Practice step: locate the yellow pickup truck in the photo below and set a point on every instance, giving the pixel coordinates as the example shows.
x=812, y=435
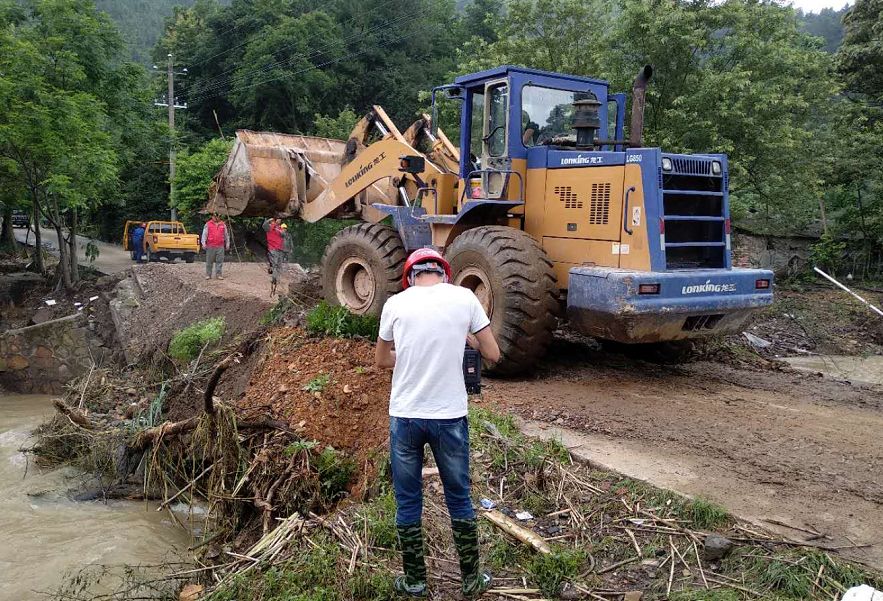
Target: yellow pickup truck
x=164, y=240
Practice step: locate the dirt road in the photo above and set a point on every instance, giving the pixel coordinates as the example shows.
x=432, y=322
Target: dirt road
x=768, y=445
x=111, y=258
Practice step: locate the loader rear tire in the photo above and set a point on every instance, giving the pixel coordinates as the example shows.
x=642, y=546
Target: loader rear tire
x=362, y=267
x=513, y=278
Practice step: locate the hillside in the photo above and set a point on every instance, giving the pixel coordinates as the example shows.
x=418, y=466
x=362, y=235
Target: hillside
x=141, y=21
x=826, y=24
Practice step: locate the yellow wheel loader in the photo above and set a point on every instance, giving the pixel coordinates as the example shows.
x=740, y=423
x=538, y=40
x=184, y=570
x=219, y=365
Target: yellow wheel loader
x=543, y=205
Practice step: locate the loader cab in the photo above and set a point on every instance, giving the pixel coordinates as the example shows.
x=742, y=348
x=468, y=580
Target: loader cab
x=508, y=111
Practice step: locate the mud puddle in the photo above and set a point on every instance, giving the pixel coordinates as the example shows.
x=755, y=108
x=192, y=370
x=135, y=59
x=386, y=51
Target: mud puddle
x=45, y=534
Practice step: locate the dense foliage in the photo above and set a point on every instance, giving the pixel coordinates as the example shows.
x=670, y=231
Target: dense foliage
x=796, y=109
x=75, y=123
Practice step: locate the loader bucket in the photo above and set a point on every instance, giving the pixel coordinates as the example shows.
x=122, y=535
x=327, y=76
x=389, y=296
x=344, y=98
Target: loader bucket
x=270, y=174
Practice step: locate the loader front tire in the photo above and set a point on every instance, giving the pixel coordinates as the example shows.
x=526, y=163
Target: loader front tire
x=362, y=267
x=513, y=278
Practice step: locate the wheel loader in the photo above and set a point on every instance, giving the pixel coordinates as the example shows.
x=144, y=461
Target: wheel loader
x=544, y=207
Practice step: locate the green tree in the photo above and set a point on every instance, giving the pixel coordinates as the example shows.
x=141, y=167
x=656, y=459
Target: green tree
x=337, y=128
x=826, y=24
x=861, y=54
x=68, y=114
x=194, y=175
x=480, y=17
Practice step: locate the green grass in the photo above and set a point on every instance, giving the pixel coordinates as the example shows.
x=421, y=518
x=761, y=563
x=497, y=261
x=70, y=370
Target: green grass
x=318, y=383
x=310, y=576
x=379, y=517
x=335, y=472
x=189, y=342
x=550, y=572
x=338, y=322
x=277, y=312
x=794, y=574
x=706, y=515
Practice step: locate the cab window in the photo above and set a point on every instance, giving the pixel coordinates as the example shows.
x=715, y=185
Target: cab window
x=497, y=111
x=476, y=126
x=547, y=114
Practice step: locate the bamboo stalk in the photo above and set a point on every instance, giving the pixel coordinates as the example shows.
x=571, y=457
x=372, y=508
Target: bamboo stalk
x=524, y=535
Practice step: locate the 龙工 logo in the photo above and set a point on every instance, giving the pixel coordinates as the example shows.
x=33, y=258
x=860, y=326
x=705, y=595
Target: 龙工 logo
x=708, y=287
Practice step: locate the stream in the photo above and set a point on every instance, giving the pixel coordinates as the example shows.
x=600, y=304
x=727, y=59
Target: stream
x=44, y=535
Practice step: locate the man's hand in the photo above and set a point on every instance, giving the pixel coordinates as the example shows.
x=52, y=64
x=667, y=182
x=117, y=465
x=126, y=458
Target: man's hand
x=384, y=353
x=472, y=341
x=486, y=344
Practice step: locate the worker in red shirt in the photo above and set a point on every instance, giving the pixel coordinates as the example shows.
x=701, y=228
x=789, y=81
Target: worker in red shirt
x=276, y=252
x=215, y=240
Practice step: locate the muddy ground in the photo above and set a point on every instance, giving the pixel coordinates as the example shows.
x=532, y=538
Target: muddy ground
x=766, y=444
x=769, y=443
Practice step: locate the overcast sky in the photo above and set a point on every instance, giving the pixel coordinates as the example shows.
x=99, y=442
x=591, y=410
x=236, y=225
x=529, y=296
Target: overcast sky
x=817, y=5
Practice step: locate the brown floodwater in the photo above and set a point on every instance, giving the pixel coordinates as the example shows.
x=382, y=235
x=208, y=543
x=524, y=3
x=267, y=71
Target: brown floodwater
x=45, y=535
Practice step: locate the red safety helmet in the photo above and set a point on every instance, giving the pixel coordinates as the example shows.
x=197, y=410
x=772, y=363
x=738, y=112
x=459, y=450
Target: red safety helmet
x=423, y=255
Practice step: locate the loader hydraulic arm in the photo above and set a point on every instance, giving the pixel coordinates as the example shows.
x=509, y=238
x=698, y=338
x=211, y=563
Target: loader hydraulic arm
x=378, y=161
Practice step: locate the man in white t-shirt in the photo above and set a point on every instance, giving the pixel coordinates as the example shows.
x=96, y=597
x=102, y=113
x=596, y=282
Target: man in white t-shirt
x=423, y=331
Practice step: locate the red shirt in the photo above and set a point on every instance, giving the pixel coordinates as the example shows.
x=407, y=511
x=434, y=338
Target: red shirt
x=275, y=240
x=216, y=237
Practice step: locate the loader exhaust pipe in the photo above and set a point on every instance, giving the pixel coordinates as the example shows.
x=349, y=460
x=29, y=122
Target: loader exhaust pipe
x=639, y=89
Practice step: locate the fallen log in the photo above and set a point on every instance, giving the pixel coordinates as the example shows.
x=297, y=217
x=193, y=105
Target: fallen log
x=147, y=437
x=208, y=397
x=508, y=526
x=75, y=415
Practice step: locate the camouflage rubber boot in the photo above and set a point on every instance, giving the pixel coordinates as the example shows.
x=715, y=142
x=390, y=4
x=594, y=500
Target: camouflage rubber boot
x=413, y=583
x=474, y=580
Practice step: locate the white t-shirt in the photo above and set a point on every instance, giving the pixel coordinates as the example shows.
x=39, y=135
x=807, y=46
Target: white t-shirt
x=429, y=325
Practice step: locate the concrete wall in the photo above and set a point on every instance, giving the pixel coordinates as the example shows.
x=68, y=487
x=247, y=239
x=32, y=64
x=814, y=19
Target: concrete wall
x=44, y=357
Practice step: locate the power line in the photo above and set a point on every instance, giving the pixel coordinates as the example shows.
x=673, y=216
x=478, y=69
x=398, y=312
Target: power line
x=333, y=61
x=220, y=81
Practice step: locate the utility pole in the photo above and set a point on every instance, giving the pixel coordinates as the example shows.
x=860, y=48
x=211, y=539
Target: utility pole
x=172, y=103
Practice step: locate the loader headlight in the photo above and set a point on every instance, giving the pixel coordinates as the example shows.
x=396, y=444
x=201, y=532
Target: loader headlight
x=667, y=164
x=716, y=168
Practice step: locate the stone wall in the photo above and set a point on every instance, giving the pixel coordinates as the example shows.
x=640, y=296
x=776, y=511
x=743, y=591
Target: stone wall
x=44, y=357
x=785, y=255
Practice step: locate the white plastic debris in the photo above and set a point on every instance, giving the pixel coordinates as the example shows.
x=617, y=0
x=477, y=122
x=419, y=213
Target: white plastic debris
x=51, y=302
x=524, y=516
x=756, y=341
x=862, y=593
x=638, y=521
x=78, y=304
x=93, y=298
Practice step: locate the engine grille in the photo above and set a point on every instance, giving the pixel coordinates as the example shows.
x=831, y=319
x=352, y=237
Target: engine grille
x=568, y=197
x=694, y=214
x=692, y=166
x=599, y=208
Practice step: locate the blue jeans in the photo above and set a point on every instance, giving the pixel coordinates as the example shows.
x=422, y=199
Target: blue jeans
x=449, y=441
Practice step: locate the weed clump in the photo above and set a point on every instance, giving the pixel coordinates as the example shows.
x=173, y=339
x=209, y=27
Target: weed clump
x=189, y=342
x=277, y=312
x=338, y=322
x=378, y=518
x=550, y=571
x=707, y=515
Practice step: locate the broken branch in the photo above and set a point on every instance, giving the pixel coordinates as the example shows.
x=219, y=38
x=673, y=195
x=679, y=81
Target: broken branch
x=524, y=535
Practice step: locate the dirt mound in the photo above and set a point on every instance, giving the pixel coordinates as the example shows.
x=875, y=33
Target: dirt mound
x=176, y=296
x=326, y=389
